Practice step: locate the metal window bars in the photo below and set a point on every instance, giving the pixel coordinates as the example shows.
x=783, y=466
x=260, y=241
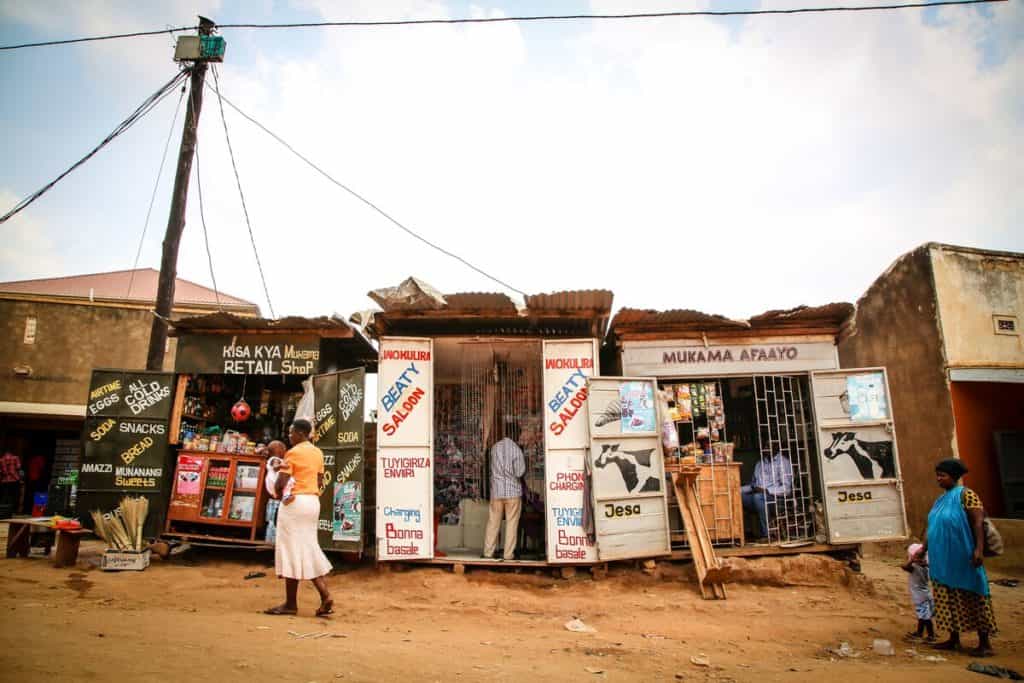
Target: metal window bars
x=783, y=422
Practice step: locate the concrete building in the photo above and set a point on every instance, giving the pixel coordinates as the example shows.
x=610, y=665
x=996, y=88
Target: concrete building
x=53, y=332
x=945, y=321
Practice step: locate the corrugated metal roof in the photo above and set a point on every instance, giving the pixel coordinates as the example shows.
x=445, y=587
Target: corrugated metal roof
x=582, y=312
x=831, y=315
x=636, y=316
x=113, y=286
x=479, y=301
x=571, y=300
x=227, y=321
x=834, y=313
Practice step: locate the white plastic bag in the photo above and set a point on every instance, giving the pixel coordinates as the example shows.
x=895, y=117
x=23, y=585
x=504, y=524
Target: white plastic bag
x=306, y=409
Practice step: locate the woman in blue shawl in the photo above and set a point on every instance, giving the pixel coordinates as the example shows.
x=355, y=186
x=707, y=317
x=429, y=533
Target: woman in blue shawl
x=954, y=541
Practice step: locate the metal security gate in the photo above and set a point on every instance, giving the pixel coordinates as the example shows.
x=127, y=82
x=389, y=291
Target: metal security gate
x=783, y=426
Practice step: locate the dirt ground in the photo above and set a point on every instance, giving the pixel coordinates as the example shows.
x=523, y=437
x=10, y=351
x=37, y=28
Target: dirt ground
x=196, y=617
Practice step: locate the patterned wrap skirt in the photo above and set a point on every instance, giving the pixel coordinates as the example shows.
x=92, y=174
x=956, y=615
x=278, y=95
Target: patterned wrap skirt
x=959, y=610
x=297, y=553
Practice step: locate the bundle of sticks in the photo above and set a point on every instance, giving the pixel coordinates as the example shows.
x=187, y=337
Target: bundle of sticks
x=122, y=529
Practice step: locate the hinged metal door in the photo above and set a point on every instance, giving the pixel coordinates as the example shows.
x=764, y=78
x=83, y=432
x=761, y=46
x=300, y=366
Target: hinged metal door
x=627, y=469
x=567, y=365
x=859, y=457
x=338, y=399
x=405, y=448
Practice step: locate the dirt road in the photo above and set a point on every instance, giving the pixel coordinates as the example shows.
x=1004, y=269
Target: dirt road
x=197, y=618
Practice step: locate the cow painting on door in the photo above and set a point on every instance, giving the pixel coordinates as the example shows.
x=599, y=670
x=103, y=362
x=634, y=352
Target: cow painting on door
x=859, y=456
x=872, y=459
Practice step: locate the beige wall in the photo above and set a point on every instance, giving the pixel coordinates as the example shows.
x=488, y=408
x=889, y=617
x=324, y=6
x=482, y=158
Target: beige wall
x=71, y=340
x=971, y=287
x=895, y=326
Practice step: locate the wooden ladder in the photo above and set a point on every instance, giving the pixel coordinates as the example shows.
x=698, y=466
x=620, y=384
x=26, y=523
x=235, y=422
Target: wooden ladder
x=709, y=567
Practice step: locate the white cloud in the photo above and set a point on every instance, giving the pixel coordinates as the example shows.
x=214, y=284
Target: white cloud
x=678, y=162
x=27, y=248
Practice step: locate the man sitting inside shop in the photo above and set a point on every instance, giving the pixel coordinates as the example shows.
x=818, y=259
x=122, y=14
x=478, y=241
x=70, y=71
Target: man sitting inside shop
x=772, y=482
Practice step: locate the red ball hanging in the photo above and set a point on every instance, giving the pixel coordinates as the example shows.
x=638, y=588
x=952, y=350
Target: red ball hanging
x=241, y=411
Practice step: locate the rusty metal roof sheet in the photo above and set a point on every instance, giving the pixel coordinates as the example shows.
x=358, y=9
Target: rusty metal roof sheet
x=479, y=301
x=573, y=300
x=577, y=312
x=834, y=314
x=227, y=321
x=828, y=315
x=678, y=317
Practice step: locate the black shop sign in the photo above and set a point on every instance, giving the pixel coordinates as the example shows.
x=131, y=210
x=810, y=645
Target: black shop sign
x=252, y=354
x=125, y=448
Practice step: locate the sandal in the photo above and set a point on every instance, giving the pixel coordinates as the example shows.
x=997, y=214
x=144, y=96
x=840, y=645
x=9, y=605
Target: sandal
x=946, y=646
x=281, y=610
x=912, y=637
x=325, y=608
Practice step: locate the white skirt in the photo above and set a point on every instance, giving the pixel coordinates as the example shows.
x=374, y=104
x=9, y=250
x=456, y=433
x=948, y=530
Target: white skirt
x=297, y=553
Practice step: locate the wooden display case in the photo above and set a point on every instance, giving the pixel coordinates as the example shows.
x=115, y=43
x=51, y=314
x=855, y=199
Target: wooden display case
x=222, y=490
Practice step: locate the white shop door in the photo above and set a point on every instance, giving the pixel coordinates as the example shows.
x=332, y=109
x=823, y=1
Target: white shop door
x=567, y=365
x=405, y=436
x=860, y=466
x=627, y=469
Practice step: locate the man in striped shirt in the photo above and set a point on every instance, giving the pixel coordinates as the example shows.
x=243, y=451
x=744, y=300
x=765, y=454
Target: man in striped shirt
x=507, y=466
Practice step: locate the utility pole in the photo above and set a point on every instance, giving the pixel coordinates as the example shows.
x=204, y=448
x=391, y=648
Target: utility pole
x=176, y=220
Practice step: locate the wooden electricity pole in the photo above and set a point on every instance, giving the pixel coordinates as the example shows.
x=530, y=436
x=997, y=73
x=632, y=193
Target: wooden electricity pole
x=176, y=220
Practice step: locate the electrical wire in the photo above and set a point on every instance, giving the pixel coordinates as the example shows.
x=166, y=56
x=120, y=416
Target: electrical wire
x=635, y=15
x=238, y=180
x=542, y=17
x=147, y=106
x=366, y=201
x=206, y=236
x=90, y=39
x=156, y=185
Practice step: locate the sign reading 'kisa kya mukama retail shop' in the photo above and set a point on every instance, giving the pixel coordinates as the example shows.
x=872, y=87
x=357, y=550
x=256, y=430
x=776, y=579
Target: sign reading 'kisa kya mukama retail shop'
x=247, y=355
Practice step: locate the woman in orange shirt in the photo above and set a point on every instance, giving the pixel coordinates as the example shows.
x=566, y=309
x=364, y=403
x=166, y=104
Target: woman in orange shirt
x=297, y=553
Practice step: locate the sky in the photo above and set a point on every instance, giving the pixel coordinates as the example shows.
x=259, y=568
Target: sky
x=725, y=165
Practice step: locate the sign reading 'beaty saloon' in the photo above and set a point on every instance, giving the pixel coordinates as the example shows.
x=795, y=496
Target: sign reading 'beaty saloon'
x=567, y=366
x=253, y=354
x=405, y=473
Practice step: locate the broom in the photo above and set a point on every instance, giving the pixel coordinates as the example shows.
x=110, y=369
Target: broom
x=134, y=512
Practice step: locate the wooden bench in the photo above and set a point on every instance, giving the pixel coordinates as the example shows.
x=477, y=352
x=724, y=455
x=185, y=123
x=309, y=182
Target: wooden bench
x=19, y=540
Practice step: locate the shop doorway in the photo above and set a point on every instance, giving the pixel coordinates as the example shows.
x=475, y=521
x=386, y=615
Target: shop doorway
x=485, y=390
x=49, y=453
x=990, y=440
x=785, y=428
x=736, y=427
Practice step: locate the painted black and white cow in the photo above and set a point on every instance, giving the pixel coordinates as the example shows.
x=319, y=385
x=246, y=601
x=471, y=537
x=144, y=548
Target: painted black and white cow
x=635, y=467
x=864, y=454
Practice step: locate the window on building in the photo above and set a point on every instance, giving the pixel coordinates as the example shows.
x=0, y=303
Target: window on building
x=30, y=330
x=1005, y=324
